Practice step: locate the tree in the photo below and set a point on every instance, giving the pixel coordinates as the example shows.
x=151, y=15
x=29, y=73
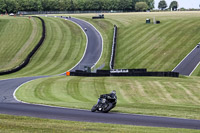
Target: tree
x=70, y=5
x=125, y=5
x=150, y=3
x=174, y=5
x=2, y=6
x=141, y=6
x=162, y=5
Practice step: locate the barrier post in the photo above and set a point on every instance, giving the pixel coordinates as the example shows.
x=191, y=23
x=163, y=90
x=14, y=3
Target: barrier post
x=67, y=73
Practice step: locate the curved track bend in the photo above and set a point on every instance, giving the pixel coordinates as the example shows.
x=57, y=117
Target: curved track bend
x=9, y=105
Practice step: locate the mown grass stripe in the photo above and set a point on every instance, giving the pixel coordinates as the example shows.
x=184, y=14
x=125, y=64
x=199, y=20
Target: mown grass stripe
x=139, y=41
x=158, y=96
x=185, y=39
x=133, y=38
x=140, y=45
x=19, y=29
x=73, y=90
x=25, y=47
x=59, y=52
x=52, y=49
x=129, y=22
x=159, y=46
x=170, y=44
x=56, y=57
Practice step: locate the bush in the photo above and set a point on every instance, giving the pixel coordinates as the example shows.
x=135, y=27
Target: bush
x=141, y=6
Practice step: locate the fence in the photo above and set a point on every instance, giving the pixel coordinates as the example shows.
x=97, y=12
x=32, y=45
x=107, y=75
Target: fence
x=130, y=72
x=112, y=60
x=63, y=12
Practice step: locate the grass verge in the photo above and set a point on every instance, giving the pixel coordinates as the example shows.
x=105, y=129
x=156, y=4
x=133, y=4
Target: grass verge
x=14, y=124
x=18, y=37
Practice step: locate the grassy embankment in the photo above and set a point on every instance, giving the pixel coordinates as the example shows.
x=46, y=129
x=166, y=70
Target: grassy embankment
x=154, y=96
x=63, y=47
x=155, y=47
x=13, y=124
x=173, y=97
x=176, y=97
x=18, y=37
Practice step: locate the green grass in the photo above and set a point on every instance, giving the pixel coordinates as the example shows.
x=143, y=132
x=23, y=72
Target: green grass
x=15, y=124
x=196, y=72
x=105, y=27
x=63, y=47
x=173, y=97
x=155, y=47
x=160, y=47
x=18, y=37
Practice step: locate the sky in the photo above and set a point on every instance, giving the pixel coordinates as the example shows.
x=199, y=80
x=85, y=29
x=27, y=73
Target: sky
x=182, y=3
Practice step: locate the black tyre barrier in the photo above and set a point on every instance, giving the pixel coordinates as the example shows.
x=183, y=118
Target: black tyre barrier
x=131, y=72
x=98, y=17
x=112, y=60
x=26, y=61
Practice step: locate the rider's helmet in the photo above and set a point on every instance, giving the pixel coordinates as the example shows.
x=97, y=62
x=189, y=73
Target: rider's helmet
x=113, y=92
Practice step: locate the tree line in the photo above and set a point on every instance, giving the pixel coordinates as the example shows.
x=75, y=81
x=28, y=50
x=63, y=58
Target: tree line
x=8, y=6
x=163, y=5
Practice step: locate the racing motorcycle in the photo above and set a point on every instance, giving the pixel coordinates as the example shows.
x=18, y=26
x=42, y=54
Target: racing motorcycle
x=105, y=104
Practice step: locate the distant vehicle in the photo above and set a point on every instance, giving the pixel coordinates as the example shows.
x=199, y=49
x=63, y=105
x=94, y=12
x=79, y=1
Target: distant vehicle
x=11, y=14
x=198, y=45
x=85, y=29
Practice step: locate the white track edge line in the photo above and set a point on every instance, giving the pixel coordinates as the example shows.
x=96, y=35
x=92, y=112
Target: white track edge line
x=101, y=39
x=185, y=58
x=85, y=47
x=194, y=69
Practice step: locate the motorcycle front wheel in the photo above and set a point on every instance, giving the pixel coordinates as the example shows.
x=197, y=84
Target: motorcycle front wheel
x=94, y=108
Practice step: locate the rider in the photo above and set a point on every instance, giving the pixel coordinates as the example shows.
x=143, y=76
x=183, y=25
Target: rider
x=111, y=96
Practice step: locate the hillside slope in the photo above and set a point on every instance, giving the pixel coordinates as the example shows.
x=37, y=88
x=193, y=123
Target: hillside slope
x=18, y=37
x=63, y=47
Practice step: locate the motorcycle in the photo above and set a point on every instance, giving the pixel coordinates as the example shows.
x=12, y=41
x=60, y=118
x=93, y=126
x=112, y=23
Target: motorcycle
x=105, y=104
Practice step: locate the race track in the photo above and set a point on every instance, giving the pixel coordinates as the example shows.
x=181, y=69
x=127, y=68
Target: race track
x=94, y=45
x=189, y=63
x=9, y=105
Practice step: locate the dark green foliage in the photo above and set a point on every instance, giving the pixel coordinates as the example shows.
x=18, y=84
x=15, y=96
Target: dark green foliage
x=8, y=6
x=162, y=5
x=141, y=6
x=174, y=5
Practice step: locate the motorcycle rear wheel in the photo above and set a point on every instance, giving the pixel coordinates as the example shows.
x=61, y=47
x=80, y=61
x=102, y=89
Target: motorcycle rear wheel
x=109, y=107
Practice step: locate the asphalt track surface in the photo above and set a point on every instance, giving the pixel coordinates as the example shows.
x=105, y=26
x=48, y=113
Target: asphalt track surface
x=94, y=45
x=9, y=105
x=189, y=63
